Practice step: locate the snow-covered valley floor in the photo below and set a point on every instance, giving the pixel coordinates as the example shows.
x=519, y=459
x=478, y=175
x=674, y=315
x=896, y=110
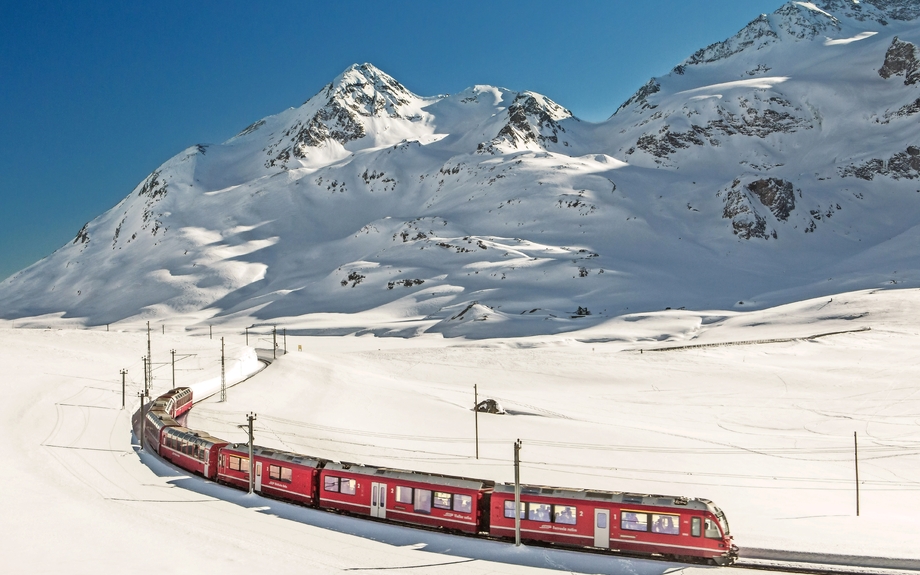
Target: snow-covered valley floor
x=765, y=430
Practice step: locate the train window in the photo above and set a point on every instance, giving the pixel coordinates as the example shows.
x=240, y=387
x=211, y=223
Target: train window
x=539, y=512
x=564, y=514
x=441, y=500
x=696, y=526
x=464, y=503
x=331, y=484
x=509, y=509
x=238, y=463
x=403, y=494
x=422, y=501
x=347, y=486
x=602, y=521
x=712, y=530
x=287, y=474
x=633, y=521
x=279, y=473
x=669, y=524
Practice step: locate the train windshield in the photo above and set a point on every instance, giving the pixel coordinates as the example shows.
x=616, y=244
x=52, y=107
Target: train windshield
x=723, y=522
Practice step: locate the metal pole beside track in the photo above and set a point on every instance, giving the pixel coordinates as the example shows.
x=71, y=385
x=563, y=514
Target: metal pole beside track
x=274, y=342
x=856, y=460
x=149, y=358
x=517, y=493
x=173, y=352
x=252, y=464
x=476, y=416
x=141, y=394
x=123, y=373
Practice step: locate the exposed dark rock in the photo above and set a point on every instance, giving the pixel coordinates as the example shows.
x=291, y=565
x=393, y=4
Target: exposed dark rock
x=641, y=97
x=756, y=122
x=903, y=165
x=533, y=119
x=778, y=195
x=901, y=60
x=746, y=222
x=82, y=235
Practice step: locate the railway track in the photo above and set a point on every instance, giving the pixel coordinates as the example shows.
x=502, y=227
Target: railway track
x=824, y=564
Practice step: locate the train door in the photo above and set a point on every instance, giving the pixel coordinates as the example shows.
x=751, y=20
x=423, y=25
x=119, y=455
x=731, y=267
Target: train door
x=207, y=462
x=258, y=477
x=379, y=500
x=602, y=528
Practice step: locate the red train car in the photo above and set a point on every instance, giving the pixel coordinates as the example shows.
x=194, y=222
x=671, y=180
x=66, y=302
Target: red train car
x=195, y=451
x=155, y=422
x=280, y=474
x=651, y=524
x=453, y=503
x=175, y=402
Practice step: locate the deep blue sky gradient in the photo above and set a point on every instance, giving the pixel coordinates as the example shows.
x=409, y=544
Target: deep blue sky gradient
x=95, y=95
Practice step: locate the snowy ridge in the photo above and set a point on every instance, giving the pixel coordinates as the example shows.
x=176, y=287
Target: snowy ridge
x=764, y=169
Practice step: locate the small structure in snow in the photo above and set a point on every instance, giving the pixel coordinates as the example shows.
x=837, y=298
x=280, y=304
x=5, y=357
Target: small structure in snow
x=490, y=406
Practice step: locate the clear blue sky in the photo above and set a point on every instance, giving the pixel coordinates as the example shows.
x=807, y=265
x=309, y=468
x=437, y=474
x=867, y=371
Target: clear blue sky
x=95, y=95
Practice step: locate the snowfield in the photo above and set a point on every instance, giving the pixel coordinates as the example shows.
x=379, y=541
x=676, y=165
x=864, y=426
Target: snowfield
x=754, y=410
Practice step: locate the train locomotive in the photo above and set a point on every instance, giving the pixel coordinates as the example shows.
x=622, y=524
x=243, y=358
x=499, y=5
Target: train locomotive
x=678, y=528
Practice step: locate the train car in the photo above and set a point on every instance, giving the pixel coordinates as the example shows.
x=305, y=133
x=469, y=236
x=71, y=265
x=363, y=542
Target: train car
x=452, y=503
x=195, y=451
x=688, y=529
x=155, y=422
x=279, y=474
x=175, y=402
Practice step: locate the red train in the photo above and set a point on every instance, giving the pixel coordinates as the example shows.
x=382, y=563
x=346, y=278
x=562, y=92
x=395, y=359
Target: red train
x=679, y=528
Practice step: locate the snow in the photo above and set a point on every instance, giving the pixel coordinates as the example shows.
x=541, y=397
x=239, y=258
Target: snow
x=765, y=430
x=844, y=41
x=759, y=83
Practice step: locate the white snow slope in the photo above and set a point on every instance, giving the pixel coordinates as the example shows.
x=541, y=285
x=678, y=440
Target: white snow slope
x=765, y=430
x=778, y=165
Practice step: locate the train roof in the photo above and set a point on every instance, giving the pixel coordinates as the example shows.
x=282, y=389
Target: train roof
x=194, y=435
x=277, y=454
x=161, y=418
x=609, y=496
x=433, y=478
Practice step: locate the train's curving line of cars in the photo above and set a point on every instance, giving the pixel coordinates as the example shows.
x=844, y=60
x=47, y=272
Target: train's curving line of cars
x=682, y=528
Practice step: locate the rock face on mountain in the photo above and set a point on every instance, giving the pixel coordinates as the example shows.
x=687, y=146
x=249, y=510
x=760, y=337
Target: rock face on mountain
x=779, y=164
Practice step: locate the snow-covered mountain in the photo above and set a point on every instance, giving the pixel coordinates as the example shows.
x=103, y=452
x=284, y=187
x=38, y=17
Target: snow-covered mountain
x=777, y=165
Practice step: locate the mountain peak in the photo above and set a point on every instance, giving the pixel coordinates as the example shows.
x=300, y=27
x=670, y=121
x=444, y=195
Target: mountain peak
x=360, y=102
x=367, y=91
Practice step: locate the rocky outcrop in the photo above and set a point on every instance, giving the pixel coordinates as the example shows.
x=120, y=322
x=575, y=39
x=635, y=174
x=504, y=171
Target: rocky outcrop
x=742, y=204
x=901, y=60
x=640, y=98
x=533, y=119
x=746, y=222
x=777, y=195
x=758, y=118
x=903, y=165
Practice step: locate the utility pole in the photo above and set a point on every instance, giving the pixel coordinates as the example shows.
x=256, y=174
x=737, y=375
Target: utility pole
x=123, y=373
x=517, y=493
x=252, y=464
x=247, y=336
x=142, y=395
x=223, y=377
x=173, y=353
x=210, y=332
x=149, y=357
x=856, y=460
x=476, y=416
x=284, y=332
x=146, y=383
x=274, y=342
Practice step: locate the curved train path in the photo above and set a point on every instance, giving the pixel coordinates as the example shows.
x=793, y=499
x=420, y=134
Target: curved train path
x=533, y=555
